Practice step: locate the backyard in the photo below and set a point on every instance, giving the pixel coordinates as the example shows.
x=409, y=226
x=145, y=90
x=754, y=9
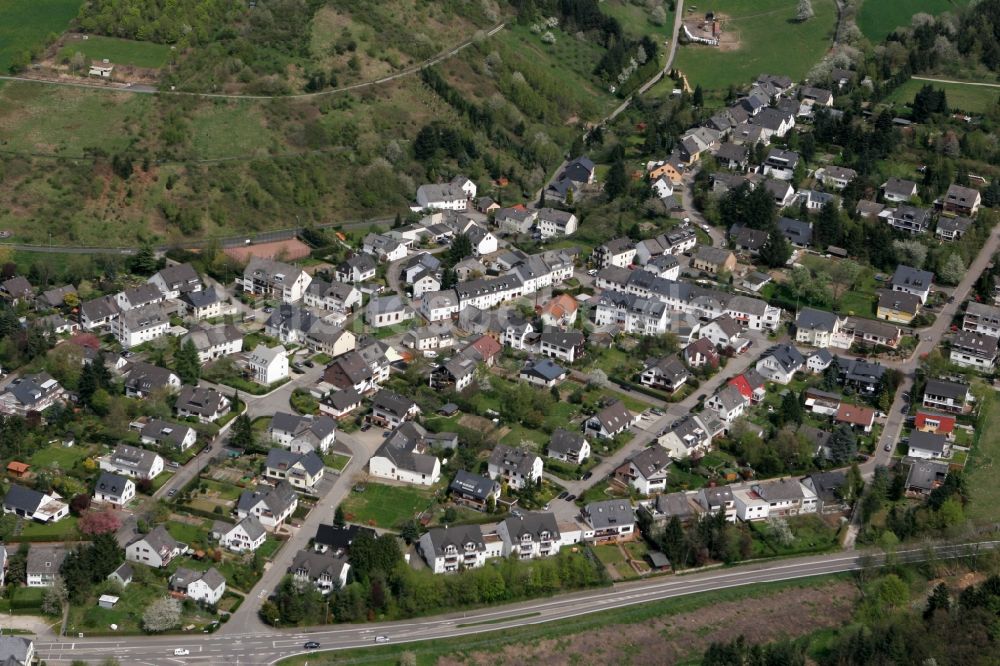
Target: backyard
x=980, y=474
x=381, y=505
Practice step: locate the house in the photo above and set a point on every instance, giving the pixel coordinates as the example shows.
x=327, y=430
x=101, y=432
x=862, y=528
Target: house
x=122, y=575
x=31, y=393
x=750, y=385
x=781, y=191
x=550, y=222
x=303, y=433
x=941, y=424
x=662, y=187
x=819, y=328
x=55, y=298
x=341, y=296
x=483, y=241
x=177, y=280
x=340, y=404
x=205, y=587
x=910, y=219
x=98, y=312
x=982, y=318
x=618, y=252
x=143, y=379
x=268, y=365
x=390, y=409
x=138, y=297
x=713, y=260
x=265, y=277
x=860, y=375
x=869, y=210
x=385, y=248
x=16, y=651
x=359, y=268
x=686, y=437
x=17, y=290
x=667, y=506
x=610, y=421
x=780, y=164
x=213, y=342
x=913, y=281
x=947, y=396
x=780, y=362
x=732, y=156
x=272, y=506
x=962, y=200
x=530, y=535
x=205, y=404
x=439, y=305
x=609, y=521
x=796, y=232
x=133, y=462
x=873, y=332
x=453, y=195
x=856, y=416
x=517, y=220
x=542, y=372
x=667, y=373
x=560, y=311
x=646, y=471
x=56, y=324
x=158, y=432
x=405, y=457
x=31, y=504
x=974, y=350
x=426, y=283
x=728, y=403
x=747, y=240
x=897, y=307
x=814, y=200
x=387, y=311
x=725, y=332
x=563, y=345
x=245, y=536
x=474, y=491
x=429, y=339
x=928, y=445
x=44, y=563
x=829, y=488
x=350, y=372
x=450, y=548
x=815, y=96
x=671, y=170
x=925, y=476
x=837, y=177
x=701, y=352
x=952, y=228
x=899, y=190
x=154, y=549
x=18, y=470
x=569, y=447
x=326, y=571
x=338, y=540
x=819, y=360
x=302, y=470
x=781, y=497
x=114, y=489
x=822, y=402
x=773, y=122
x=518, y=468
x=666, y=266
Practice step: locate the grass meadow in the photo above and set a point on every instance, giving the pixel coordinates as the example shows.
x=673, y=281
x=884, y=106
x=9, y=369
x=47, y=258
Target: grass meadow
x=25, y=24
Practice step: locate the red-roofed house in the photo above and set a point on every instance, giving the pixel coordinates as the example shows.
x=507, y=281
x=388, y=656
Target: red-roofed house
x=940, y=424
x=752, y=393
x=488, y=348
x=560, y=311
x=856, y=416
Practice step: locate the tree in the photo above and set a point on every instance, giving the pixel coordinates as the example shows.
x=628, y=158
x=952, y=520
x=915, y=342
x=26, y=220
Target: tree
x=939, y=600
x=338, y=517
x=843, y=445
x=461, y=247
x=952, y=270
x=54, y=598
x=187, y=364
x=617, y=180
x=99, y=522
x=842, y=276
x=163, y=614
x=79, y=503
x=791, y=409
x=144, y=261
x=776, y=250
x=698, y=98
x=805, y=11
x=910, y=252
x=242, y=435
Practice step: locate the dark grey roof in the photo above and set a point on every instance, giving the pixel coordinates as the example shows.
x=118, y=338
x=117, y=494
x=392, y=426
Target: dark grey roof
x=32, y=389
x=184, y=577
x=316, y=565
x=456, y=535
x=393, y=403
x=912, y=278
x=344, y=398
x=954, y=224
x=942, y=388
x=113, y=484
x=779, y=490
x=45, y=559
x=539, y=526
x=609, y=513
x=827, y=485
x=899, y=187
x=898, y=300
x=159, y=540
x=201, y=299
x=812, y=319
x=516, y=459
x=651, y=462
x=566, y=442
x=18, y=287
x=123, y=572
x=180, y=276
x=134, y=458
x=787, y=356
x=145, y=377
x=251, y=525
x=14, y=650
x=675, y=504
x=544, y=368
x=480, y=487
x=928, y=441
x=277, y=499
x=281, y=459
x=614, y=417
x=197, y=400
x=926, y=474
x=339, y=537
x=795, y=231
x=25, y=499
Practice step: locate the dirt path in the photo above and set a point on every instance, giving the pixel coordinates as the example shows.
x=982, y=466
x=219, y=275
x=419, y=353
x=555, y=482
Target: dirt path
x=960, y=83
x=673, y=638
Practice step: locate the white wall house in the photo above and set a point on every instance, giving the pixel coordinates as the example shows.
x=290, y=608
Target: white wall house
x=268, y=364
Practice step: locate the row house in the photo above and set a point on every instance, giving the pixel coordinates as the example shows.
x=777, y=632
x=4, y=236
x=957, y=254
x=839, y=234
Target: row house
x=530, y=535
x=457, y=547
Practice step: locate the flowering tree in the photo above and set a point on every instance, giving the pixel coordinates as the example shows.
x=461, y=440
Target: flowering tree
x=99, y=522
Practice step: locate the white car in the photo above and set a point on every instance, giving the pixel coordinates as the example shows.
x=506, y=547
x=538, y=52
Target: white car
x=381, y=639
x=181, y=652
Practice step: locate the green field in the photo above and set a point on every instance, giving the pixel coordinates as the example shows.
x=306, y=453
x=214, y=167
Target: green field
x=24, y=24
x=878, y=18
x=968, y=98
x=386, y=506
x=980, y=472
x=769, y=42
x=118, y=51
x=635, y=18
x=65, y=458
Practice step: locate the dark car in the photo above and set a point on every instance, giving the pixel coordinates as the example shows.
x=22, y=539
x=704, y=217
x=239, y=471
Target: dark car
x=311, y=645
x=268, y=310
x=904, y=409
x=309, y=364
x=172, y=492
x=571, y=498
x=366, y=427
x=587, y=475
x=562, y=495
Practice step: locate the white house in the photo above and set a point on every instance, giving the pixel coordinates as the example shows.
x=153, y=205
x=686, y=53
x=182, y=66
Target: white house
x=246, y=535
x=206, y=587
x=155, y=549
x=133, y=462
x=114, y=489
x=303, y=433
x=610, y=421
x=387, y=311
x=268, y=364
x=264, y=277
x=780, y=363
x=448, y=549
x=530, y=535
x=551, y=222
x=453, y=195
x=142, y=324
x=404, y=457
x=31, y=504
x=302, y=470
x=646, y=471
x=326, y=571
x=728, y=403
x=43, y=565
x=571, y=447
x=518, y=468
x=272, y=506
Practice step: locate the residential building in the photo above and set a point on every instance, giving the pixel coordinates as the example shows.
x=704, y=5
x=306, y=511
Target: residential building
x=925, y=476
x=114, y=489
x=550, y=222
x=55, y=298
x=207, y=404
x=569, y=447
x=272, y=506
x=350, y=372
x=474, y=491
x=390, y=409
x=819, y=360
x=448, y=549
x=154, y=549
x=542, y=372
x=268, y=365
x=44, y=563
x=701, y=352
x=618, y=252
x=453, y=195
x=822, y=402
x=264, y=277
x=646, y=471
x=751, y=386
x=563, y=345
x=686, y=437
x=857, y=416
x=609, y=521
x=796, y=232
x=17, y=290
x=326, y=571
x=340, y=296
x=819, y=328
x=873, y=332
x=928, y=445
x=665, y=507
x=98, y=312
x=405, y=456
x=861, y=375
x=213, y=342
x=829, y=488
x=947, y=396
x=713, y=260
x=974, y=350
x=899, y=190
x=725, y=333
x=304, y=433
x=205, y=587
x=338, y=540
x=302, y=470
x=133, y=462
x=667, y=373
x=610, y=421
x=910, y=219
x=33, y=505
x=781, y=191
x=530, y=535
x=138, y=297
x=780, y=363
x=560, y=311
x=747, y=240
x=729, y=403
x=952, y=228
x=16, y=651
x=982, y=318
x=358, y=268
x=387, y=310
x=780, y=497
x=780, y=164
x=340, y=404
x=897, y=307
x=518, y=468
x=385, y=248
x=31, y=393
x=913, y=281
x=837, y=177
x=177, y=280
x=143, y=379
x=962, y=200
x=941, y=424
x=245, y=536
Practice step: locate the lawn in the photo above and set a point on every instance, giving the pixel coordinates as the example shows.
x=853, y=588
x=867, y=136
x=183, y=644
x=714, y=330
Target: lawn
x=64, y=530
x=55, y=455
x=770, y=41
x=186, y=532
x=337, y=461
x=812, y=535
x=24, y=24
x=118, y=51
x=968, y=98
x=519, y=433
x=386, y=506
x=980, y=472
x=878, y=18
x=634, y=18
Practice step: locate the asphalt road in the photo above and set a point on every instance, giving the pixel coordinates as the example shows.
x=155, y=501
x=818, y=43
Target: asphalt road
x=267, y=645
